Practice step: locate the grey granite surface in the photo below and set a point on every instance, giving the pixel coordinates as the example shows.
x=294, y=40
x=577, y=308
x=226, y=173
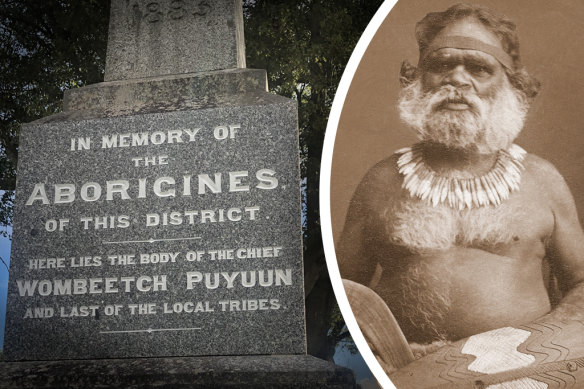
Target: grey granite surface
x=150, y=38
x=242, y=166
x=159, y=214
x=165, y=93
x=262, y=372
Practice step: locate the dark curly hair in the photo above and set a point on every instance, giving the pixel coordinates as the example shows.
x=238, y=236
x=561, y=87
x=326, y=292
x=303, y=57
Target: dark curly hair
x=501, y=26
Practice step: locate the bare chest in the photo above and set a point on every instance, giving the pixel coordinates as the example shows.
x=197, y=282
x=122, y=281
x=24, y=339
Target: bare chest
x=515, y=226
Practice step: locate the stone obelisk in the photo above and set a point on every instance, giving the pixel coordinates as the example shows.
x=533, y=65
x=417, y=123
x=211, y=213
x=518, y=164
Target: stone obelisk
x=159, y=216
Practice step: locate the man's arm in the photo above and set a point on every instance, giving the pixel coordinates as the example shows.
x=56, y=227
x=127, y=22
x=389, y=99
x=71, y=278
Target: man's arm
x=566, y=250
x=361, y=247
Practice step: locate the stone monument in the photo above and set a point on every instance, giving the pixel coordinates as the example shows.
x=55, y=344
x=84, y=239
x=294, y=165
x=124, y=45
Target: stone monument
x=159, y=216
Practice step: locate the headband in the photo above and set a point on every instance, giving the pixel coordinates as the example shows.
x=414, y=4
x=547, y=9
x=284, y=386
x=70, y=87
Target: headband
x=464, y=42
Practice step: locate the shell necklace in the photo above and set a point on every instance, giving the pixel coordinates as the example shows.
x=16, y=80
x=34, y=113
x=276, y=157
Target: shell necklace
x=491, y=188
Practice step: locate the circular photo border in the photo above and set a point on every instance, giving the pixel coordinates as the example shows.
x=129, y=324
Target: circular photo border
x=324, y=194
x=549, y=43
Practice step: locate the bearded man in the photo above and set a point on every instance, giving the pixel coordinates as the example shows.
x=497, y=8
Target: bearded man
x=458, y=232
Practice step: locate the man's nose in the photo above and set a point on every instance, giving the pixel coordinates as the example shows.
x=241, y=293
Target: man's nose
x=457, y=76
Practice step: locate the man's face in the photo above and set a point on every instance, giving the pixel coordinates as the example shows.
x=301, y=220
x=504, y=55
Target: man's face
x=469, y=70
x=463, y=98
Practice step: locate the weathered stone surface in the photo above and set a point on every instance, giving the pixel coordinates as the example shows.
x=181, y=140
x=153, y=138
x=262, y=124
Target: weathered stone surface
x=199, y=90
x=212, y=372
x=150, y=38
x=159, y=216
x=242, y=193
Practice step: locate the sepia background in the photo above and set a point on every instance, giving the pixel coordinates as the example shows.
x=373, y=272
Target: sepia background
x=550, y=35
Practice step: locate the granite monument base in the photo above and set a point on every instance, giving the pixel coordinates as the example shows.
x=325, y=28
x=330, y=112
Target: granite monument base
x=275, y=371
x=223, y=201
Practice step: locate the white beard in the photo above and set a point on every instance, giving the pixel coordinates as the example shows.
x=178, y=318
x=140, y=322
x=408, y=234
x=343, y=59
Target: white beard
x=491, y=124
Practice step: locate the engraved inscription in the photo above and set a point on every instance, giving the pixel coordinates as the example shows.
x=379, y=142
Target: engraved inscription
x=177, y=9
x=153, y=13
x=156, y=232
x=158, y=11
x=203, y=8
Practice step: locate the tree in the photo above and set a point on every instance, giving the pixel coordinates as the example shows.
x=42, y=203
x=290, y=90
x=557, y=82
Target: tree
x=304, y=45
x=52, y=45
x=45, y=47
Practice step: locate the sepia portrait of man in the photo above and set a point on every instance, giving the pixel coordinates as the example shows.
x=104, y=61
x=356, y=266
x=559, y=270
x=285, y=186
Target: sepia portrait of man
x=463, y=239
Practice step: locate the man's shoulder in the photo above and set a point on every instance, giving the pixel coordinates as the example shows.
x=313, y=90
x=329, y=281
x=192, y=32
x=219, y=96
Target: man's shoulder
x=383, y=176
x=546, y=178
x=384, y=170
x=536, y=162
x=541, y=169
x=380, y=184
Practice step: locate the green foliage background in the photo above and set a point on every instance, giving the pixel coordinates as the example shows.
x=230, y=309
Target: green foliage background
x=51, y=45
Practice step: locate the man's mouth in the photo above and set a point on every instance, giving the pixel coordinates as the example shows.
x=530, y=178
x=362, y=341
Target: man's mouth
x=454, y=105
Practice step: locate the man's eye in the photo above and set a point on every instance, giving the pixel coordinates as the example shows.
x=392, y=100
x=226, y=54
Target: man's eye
x=479, y=69
x=438, y=66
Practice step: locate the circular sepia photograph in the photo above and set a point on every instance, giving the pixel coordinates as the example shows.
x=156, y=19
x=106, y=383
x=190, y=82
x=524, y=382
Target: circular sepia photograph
x=452, y=190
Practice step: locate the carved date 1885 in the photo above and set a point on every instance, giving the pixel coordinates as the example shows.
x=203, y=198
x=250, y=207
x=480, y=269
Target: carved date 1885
x=158, y=10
